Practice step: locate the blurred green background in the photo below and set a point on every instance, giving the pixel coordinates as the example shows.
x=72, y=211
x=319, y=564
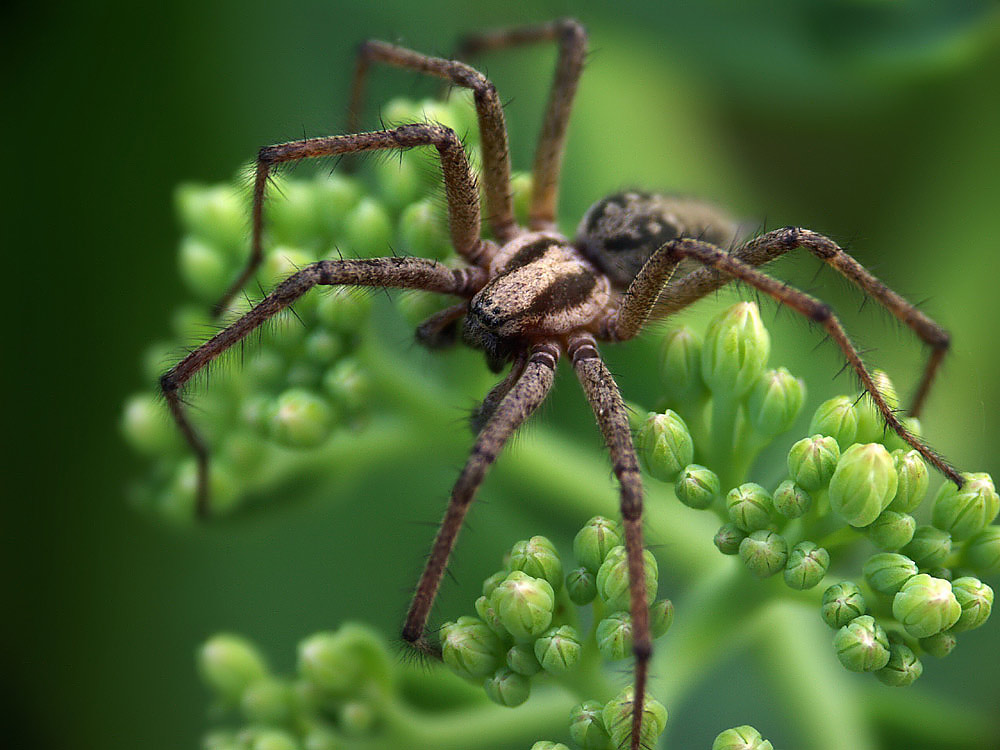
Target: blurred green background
x=875, y=122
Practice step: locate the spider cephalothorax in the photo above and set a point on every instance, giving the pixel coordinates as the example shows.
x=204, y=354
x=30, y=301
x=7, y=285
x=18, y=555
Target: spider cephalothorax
x=530, y=297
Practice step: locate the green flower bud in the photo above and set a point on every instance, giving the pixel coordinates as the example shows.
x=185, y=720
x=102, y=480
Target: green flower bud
x=280, y=263
x=903, y=667
x=697, y=487
x=888, y=571
x=422, y=232
x=538, y=558
x=525, y=604
x=229, y=665
x=812, y=460
x=487, y=611
x=891, y=530
x=939, y=645
x=929, y=546
x=368, y=229
x=266, y=369
x=790, y=500
x=749, y=506
x=894, y=442
x=345, y=663
x=217, y=215
x=548, y=745
x=191, y=323
x=614, y=636
x=521, y=188
x=728, y=538
x=617, y=715
x=842, y=602
x=837, y=418
x=470, y=647
x=335, y=195
x=982, y=552
x=521, y=659
x=661, y=617
x=926, y=606
x=976, y=600
x=775, y=402
x=559, y=649
x=508, y=688
x=871, y=426
x=665, y=445
x=967, y=511
x=735, y=352
x=292, y=218
x=300, y=419
x=593, y=542
x=806, y=566
x=204, y=269
x=493, y=581
x=944, y=573
x=304, y=375
x=343, y=312
x=680, y=366
x=913, y=479
x=268, y=701
x=323, y=347
x=147, y=425
x=741, y=738
x=612, y=578
x=273, y=739
x=586, y=727
x=220, y=741
x=863, y=483
x=357, y=718
x=862, y=645
x=581, y=585
x=399, y=180
x=764, y=553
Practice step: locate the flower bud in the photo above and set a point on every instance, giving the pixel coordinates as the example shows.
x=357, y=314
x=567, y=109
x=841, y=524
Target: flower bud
x=790, y=500
x=903, y=667
x=593, y=542
x=976, y=600
x=342, y=312
x=548, y=745
x=292, y=218
x=764, y=553
x=697, y=487
x=586, y=726
x=272, y=739
x=863, y=483
x=661, y=617
x=913, y=479
x=559, y=649
x=735, y=351
x=888, y=571
x=926, y=605
x=891, y=530
x=837, y=418
x=982, y=552
x=806, y=566
x=538, y=558
x=493, y=581
x=741, y=738
x=323, y=347
x=368, y=229
x=967, y=511
x=775, y=402
x=812, y=460
x=728, y=538
x=280, y=263
x=871, y=426
x=617, y=715
x=147, y=425
x=892, y=441
x=268, y=701
x=613, y=580
x=470, y=648
x=680, y=366
x=749, y=506
x=335, y=195
x=521, y=659
x=665, y=445
x=581, y=585
x=508, y=688
x=345, y=663
x=842, y=602
x=217, y=215
x=862, y=645
x=614, y=636
x=487, y=612
x=939, y=645
x=300, y=419
x=357, y=718
x=229, y=665
x=421, y=231
x=399, y=181
x=348, y=385
x=929, y=546
x=204, y=269
x=525, y=604
x=521, y=189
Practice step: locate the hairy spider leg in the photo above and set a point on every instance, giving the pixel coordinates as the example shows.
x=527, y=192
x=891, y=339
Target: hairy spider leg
x=439, y=331
x=572, y=38
x=489, y=404
x=641, y=299
x=524, y=396
x=489, y=112
x=612, y=418
x=681, y=292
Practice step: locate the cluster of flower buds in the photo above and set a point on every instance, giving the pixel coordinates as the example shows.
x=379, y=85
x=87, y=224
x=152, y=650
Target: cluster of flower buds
x=851, y=483
x=527, y=626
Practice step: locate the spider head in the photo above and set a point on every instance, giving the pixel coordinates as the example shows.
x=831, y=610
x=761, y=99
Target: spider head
x=479, y=334
x=621, y=231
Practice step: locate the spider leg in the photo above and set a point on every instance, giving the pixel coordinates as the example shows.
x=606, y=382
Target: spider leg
x=439, y=330
x=489, y=112
x=489, y=404
x=612, y=418
x=767, y=247
x=642, y=295
x=522, y=399
x=572, y=38
x=401, y=273
x=459, y=181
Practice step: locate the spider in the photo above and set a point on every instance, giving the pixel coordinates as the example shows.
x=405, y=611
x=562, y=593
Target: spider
x=530, y=296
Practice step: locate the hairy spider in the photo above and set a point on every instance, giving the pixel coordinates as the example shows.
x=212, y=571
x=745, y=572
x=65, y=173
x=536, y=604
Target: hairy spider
x=530, y=296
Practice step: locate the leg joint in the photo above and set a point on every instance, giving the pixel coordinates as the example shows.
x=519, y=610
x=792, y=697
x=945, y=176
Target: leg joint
x=168, y=384
x=821, y=312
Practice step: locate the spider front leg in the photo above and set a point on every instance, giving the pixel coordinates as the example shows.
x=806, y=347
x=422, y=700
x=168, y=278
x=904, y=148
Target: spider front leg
x=521, y=400
x=767, y=247
x=612, y=418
